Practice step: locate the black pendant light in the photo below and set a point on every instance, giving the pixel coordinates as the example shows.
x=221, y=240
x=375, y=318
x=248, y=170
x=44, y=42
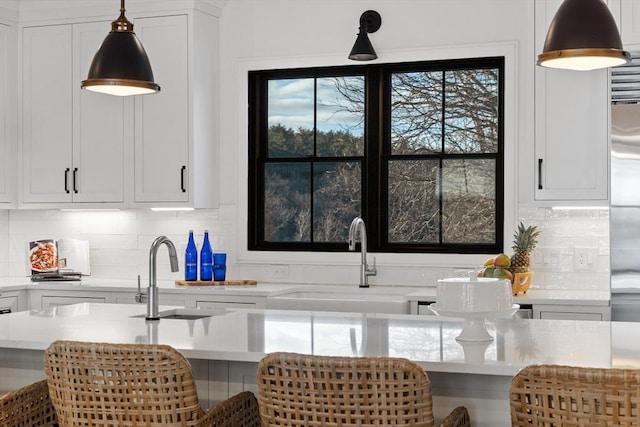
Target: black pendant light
x=370, y=22
x=583, y=36
x=121, y=66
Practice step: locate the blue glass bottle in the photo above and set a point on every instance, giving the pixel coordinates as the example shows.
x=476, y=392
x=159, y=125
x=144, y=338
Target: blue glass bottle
x=191, y=259
x=206, y=259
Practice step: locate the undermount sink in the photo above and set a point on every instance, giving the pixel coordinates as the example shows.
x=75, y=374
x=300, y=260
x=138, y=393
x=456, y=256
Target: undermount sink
x=344, y=296
x=188, y=313
x=367, y=300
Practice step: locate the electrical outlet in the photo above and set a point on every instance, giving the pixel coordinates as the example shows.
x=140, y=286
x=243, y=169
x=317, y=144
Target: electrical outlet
x=580, y=258
x=279, y=272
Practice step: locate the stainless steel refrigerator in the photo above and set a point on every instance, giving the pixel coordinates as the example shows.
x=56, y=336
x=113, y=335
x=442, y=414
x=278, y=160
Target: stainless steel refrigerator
x=625, y=192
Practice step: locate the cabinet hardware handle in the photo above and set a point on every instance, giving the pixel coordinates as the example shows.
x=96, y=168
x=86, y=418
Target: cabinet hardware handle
x=539, y=174
x=66, y=180
x=184, y=190
x=75, y=180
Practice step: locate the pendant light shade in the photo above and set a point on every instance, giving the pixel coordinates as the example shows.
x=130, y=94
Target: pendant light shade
x=121, y=66
x=363, y=50
x=583, y=36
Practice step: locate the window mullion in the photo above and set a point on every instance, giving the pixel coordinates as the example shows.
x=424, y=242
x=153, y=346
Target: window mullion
x=374, y=164
x=313, y=157
x=442, y=151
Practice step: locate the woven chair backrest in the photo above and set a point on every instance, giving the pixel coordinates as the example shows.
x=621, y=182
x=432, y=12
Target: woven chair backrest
x=27, y=406
x=554, y=395
x=103, y=384
x=298, y=390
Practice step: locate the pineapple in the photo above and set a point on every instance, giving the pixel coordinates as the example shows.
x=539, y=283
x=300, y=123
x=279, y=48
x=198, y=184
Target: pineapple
x=525, y=240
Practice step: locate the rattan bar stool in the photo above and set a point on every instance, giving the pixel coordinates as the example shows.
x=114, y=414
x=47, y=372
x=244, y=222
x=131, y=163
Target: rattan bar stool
x=240, y=410
x=554, y=395
x=297, y=390
x=27, y=406
x=103, y=384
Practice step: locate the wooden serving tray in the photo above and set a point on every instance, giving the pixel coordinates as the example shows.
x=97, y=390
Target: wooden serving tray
x=214, y=283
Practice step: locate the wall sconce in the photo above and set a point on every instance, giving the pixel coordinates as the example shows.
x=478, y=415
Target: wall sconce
x=583, y=36
x=121, y=66
x=370, y=22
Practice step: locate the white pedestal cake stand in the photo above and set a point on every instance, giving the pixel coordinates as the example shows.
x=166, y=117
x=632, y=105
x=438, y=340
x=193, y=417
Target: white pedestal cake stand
x=473, y=328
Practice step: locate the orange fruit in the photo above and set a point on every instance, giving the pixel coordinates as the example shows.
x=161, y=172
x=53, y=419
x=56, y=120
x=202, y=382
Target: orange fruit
x=502, y=261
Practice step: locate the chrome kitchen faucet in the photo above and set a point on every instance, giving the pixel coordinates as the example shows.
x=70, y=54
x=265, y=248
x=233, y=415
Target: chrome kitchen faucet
x=152, y=292
x=358, y=227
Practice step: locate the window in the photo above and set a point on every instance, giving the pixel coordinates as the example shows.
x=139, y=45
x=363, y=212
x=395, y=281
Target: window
x=416, y=149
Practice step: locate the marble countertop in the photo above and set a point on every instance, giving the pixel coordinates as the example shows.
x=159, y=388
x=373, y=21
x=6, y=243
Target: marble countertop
x=247, y=335
x=166, y=286
x=538, y=296
x=407, y=293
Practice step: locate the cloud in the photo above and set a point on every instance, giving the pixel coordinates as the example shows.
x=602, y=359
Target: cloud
x=291, y=104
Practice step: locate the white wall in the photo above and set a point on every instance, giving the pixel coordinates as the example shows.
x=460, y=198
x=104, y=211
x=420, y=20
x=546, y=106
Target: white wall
x=260, y=34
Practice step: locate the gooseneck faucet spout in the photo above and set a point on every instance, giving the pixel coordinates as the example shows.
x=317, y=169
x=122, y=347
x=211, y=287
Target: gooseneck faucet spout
x=359, y=228
x=152, y=293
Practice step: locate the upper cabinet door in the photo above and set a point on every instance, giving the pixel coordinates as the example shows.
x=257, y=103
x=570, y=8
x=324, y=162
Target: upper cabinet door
x=162, y=133
x=99, y=138
x=7, y=126
x=630, y=23
x=47, y=89
x=571, y=126
x=74, y=140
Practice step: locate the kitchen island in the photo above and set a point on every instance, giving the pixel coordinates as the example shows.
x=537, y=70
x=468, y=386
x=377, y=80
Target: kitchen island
x=225, y=347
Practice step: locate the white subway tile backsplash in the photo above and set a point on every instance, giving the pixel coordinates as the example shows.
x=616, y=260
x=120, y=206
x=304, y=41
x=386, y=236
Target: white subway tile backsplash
x=562, y=231
x=120, y=242
x=111, y=241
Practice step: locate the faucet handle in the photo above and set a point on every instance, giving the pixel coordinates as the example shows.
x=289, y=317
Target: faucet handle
x=141, y=297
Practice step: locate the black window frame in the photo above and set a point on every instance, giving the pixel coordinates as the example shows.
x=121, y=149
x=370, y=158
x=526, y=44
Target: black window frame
x=377, y=146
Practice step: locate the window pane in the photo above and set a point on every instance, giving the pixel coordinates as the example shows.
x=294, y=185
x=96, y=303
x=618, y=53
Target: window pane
x=413, y=201
x=287, y=202
x=468, y=201
x=416, y=113
x=336, y=200
x=340, y=116
x=471, y=111
x=290, y=117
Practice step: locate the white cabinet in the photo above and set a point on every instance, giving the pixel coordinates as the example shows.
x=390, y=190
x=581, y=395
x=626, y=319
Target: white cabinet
x=571, y=126
x=571, y=312
x=629, y=24
x=99, y=138
x=8, y=154
x=15, y=300
x=86, y=149
x=8, y=304
x=176, y=129
x=73, y=140
x=162, y=120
